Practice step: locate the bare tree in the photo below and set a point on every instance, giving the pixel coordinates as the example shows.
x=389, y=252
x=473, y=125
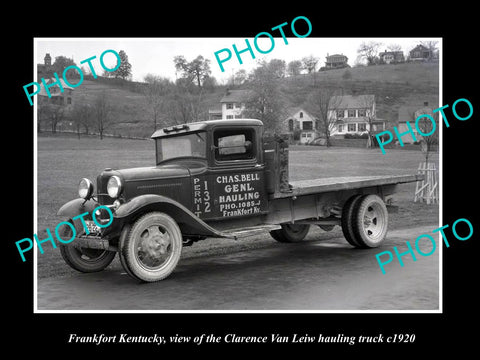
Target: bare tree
x=82, y=115
x=239, y=77
x=155, y=92
x=186, y=103
x=432, y=46
x=394, y=47
x=309, y=63
x=367, y=104
x=369, y=51
x=322, y=103
x=427, y=126
x=52, y=114
x=102, y=111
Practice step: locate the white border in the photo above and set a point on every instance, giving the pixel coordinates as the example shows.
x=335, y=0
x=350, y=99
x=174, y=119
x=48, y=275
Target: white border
x=35, y=223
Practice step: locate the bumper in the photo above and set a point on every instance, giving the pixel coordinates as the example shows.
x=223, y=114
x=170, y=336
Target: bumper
x=92, y=242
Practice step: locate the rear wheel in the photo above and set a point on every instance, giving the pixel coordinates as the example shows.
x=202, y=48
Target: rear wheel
x=347, y=220
x=83, y=259
x=370, y=223
x=290, y=233
x=152, y=248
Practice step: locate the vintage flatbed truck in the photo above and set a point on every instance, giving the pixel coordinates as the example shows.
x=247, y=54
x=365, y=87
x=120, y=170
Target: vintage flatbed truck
x=219, y=178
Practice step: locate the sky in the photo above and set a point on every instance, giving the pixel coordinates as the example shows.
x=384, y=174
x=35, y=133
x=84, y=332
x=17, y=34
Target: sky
x=155, y=55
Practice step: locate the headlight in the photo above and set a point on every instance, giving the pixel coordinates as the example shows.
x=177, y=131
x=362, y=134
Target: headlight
x=114, y=187
x=85, y=188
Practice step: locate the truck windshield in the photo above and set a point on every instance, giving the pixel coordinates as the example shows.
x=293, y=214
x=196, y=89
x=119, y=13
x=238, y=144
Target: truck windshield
x=188, y=145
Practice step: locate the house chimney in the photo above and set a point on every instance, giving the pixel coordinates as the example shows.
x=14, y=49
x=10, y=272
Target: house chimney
x=425, y=103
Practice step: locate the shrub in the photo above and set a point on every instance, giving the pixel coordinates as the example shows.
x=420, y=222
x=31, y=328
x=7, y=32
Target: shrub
x=346, y=75
x=356, y=136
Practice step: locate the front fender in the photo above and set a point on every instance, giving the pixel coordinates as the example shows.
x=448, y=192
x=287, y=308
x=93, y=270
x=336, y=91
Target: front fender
x=76, y=207
x=189, y=223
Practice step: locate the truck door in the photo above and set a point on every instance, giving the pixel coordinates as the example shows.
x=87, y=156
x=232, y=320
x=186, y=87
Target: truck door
x=234, y=185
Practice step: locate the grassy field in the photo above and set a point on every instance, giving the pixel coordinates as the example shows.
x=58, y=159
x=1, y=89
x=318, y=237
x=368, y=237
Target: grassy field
x=63, y=160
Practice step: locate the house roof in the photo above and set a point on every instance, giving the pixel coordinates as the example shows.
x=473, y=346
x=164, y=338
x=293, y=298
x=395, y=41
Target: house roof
x=290, y=112
x=410, y=112
x=350, y=101
x=419, y=47
x=50, y=81
x=336, y=56
x=236, y=96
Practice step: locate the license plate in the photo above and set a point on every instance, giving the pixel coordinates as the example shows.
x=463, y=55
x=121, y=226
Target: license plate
x=92, y=227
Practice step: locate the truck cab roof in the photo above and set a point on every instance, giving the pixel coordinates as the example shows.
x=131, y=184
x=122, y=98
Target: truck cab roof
x=203, y=126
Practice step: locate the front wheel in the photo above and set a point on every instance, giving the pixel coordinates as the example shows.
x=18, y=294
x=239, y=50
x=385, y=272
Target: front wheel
x=290, y=233
x=152, y=248
x=83, y=259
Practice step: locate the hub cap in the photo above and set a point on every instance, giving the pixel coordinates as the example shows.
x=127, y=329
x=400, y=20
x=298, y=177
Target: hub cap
x=154, y=247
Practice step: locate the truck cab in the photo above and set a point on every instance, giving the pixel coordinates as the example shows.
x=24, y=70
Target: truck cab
x=223, y=164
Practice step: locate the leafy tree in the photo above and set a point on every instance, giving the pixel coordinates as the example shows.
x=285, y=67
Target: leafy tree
x=61, y=63
x=278, y=68
x=124, y=71
x=294, y=67
x=196, y=70
x=265, y=101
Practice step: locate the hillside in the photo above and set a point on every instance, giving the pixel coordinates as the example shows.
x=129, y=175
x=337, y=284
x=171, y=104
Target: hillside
x=393, y=86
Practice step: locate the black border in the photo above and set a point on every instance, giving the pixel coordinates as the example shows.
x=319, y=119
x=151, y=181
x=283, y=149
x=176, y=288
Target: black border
x=434, y=332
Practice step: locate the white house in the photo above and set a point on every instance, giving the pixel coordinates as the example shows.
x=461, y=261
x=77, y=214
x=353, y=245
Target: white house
x=233, y=103
x=303, y=122
x=353, y=114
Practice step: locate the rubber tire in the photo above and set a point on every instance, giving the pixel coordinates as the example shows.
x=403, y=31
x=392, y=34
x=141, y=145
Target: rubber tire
x=347, y=219
x=73, y=256
x=121, y=256
x=362, y=236
x=129, y=246
x=287, y=234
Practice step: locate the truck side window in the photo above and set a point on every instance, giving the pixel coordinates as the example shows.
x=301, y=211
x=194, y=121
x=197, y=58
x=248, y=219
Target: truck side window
x=233, y=145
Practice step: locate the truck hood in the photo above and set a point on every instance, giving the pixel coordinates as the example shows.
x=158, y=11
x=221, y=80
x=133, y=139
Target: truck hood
x=165, y=180
x=151, y=173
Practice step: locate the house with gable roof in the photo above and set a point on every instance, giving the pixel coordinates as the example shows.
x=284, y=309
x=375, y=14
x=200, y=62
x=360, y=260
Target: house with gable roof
x=57, y=97
x=420, y=53
x=353, y=114
x=302, y=122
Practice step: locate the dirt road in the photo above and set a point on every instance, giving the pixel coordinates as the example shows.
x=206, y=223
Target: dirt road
x=312, y=275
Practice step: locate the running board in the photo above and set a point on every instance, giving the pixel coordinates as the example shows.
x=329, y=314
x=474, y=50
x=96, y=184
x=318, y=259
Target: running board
x=249, y=231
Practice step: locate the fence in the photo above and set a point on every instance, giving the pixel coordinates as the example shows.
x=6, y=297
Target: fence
x=427, y=190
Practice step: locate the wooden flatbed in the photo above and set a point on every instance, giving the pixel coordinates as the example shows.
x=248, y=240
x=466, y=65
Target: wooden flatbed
x=322, y=185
